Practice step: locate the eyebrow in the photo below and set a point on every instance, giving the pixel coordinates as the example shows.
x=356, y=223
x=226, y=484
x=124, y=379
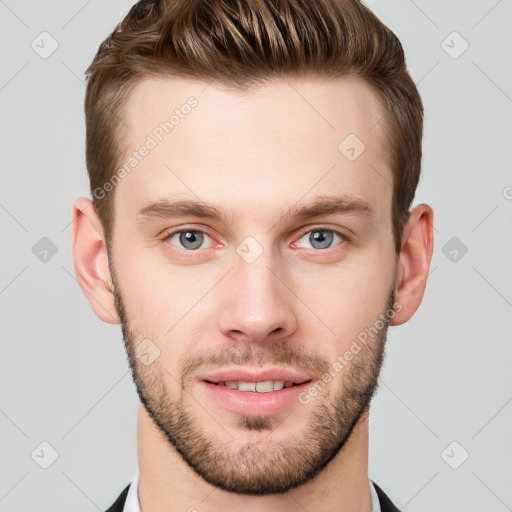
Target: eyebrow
x=322, y=205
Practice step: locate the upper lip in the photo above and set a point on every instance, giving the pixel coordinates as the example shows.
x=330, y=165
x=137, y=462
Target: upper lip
x=256, y=375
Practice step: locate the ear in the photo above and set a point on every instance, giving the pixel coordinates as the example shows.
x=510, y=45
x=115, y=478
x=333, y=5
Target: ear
x=91, y=260
x=414, y=263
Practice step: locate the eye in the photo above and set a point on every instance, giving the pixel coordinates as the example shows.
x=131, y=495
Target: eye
x=190, y=239
x=321, y=238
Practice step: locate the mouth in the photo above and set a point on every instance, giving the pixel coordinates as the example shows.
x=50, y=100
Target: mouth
x=266, y=386
x=255, y=394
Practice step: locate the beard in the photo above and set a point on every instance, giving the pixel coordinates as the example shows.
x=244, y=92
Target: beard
x=261, y=467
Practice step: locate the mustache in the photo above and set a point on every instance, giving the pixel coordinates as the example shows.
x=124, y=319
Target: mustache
x=277, y=353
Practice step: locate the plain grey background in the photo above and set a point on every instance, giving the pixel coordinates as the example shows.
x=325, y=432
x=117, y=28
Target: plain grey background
x=441, y=421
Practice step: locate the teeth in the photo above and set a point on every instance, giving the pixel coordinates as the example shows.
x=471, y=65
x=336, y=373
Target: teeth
x=260, y=387
x=265, y=387
x=247, y=386
x=278, y=384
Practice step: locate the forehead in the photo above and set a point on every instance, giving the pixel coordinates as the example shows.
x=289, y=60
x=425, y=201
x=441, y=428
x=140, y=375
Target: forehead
x=275, y=144
x=307, y=107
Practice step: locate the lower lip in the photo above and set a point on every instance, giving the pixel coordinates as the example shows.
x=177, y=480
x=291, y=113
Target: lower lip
x=252, y=403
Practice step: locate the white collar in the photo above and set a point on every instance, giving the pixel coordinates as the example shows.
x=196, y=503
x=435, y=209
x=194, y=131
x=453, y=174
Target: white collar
x=132, y=498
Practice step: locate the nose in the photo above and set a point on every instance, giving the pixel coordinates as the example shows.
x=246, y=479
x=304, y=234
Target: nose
x=258, y=305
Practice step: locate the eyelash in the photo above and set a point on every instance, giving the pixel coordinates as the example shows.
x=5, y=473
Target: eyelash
x=343, y=236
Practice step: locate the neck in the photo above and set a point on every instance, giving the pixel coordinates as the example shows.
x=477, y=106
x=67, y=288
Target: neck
x=167, y=483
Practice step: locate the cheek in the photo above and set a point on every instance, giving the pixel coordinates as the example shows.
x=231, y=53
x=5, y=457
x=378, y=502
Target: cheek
x=162, y=300
x=146, y=293
x=348, y=301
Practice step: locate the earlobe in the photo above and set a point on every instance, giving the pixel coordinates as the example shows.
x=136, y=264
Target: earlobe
x=91, y=260
x=414, y=262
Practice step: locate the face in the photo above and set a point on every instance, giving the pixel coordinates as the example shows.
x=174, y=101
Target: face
x=251, y=248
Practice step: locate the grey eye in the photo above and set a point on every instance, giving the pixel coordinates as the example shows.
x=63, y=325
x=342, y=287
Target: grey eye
x=321, y=238
x=189, y=239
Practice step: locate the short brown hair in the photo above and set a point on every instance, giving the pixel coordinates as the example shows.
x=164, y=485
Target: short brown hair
x=241, y=44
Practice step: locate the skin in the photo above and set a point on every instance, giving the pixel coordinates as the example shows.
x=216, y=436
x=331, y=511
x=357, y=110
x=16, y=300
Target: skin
x=256, y=155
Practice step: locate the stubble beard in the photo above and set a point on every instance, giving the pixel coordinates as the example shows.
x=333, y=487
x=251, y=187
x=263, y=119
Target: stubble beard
x=261, y=466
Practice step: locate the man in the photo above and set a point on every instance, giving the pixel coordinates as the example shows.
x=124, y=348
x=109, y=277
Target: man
x=252, y=165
